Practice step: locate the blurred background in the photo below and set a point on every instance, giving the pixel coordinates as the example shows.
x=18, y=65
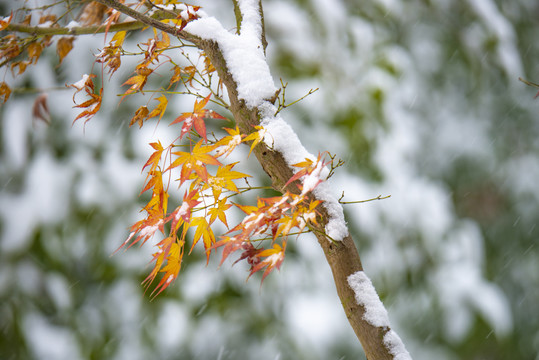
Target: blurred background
x=422, y=101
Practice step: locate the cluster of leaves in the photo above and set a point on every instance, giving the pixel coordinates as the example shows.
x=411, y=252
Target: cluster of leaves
x=19, y=52
x=195, y=162
x=210, y=184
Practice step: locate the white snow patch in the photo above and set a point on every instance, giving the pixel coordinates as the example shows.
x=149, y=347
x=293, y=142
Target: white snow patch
x=72, y=24
x=79, y=85
x=396, y=348
x=244, y=53
x=366, y=296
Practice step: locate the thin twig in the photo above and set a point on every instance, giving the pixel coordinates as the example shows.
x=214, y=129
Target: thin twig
x=529, y=82
x=379, y=197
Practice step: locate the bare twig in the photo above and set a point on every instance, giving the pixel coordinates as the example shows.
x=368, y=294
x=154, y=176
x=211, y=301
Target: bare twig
x=379, y=197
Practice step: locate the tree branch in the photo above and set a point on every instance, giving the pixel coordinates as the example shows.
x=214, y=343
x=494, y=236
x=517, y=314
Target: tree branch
x=342, y=256
x=78, y=30
x=150, y=21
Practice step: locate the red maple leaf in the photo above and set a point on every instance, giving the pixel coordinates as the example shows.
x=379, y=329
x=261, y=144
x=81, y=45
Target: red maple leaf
x=196, y=118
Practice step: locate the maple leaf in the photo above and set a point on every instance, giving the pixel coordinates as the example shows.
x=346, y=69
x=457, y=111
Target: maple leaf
x=94, y=103
x=219, y=211
x=138, y=81
x=230, y=245
x=92, y=13
x=205, y=232
x=228, y=143
x=160, y=108
x=118, y=39
x=171, y=269
x=194, y=161
x=5, y=23
x=158, y=202
x=40, y=110
x=140, y=115
x=311, y=171
x=250, y=253
x=110, y=55
x=208, y=66
x=155, y=47
x=21, y=65
x=179, y=73
x=34, y=51
x=255, y=137
x=144, y=230
x=248, y=209
x=273, y=259
x=154, y=159
x=196, y=118
x=5, y=91
x=11, y=49
x=64, y=46
x=183, y=212
x=224, y=179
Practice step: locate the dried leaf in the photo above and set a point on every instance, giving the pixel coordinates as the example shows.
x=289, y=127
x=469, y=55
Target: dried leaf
x=4, y=23
x=64, y=46
x=5, y=91
x=140, y=115
x=92, y=14
x=34, y=51
x=40, y=109
x=21, y=65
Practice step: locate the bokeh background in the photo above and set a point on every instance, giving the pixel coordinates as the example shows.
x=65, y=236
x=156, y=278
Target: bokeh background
x=422, y=101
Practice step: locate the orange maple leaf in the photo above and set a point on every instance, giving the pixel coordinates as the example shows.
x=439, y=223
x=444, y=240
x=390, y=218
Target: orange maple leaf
x=196, y=118
x=5, y=23
x=273, y=260
x=94, y=103
x=230, y=245
x=183, y=212
x=154, y=159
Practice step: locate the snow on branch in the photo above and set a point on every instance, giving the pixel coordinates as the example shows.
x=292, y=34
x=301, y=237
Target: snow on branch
x=281, y=137
x=246, y=62
x=375, y=313
x=243, y=53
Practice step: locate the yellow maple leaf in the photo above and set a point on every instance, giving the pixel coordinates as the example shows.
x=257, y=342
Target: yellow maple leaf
x=203, y=232
x=196, y=161
x=255, y=137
